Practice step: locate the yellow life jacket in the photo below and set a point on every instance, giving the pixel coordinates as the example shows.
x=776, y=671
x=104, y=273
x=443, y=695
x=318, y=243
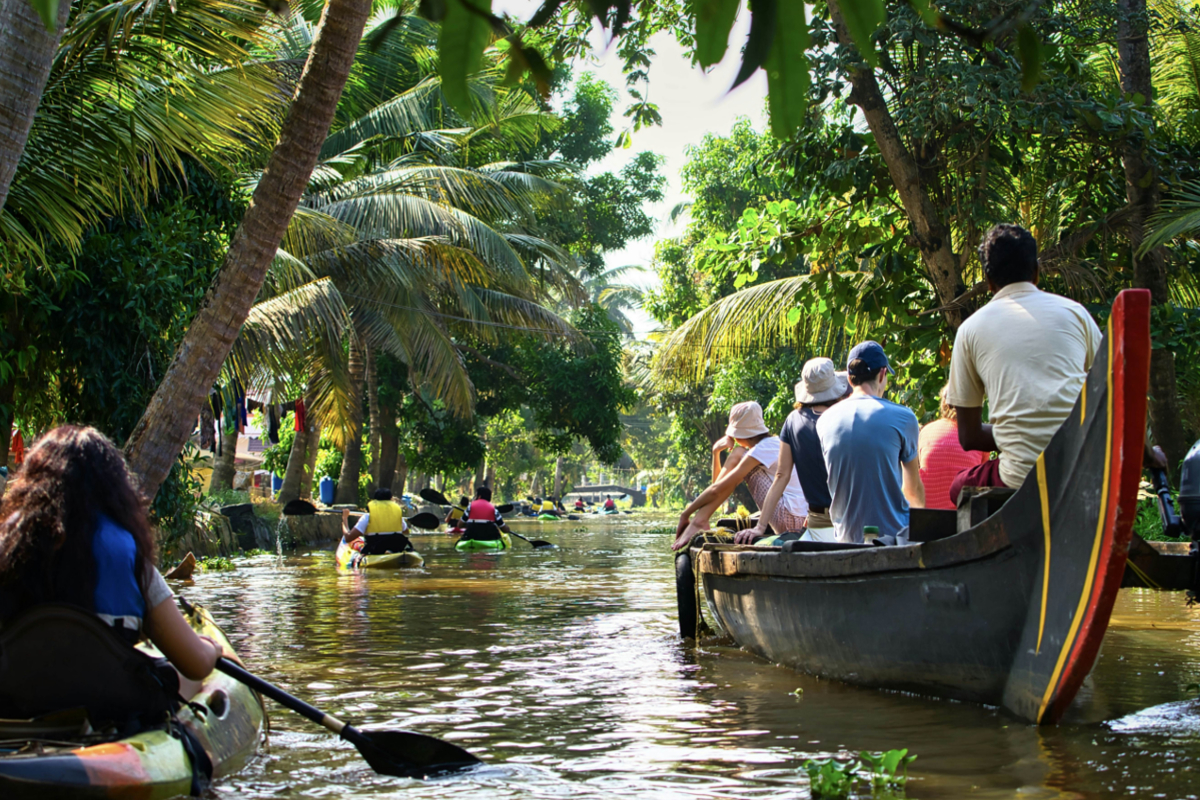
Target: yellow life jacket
x=456, y=513
x=387, y=516
x=547, y=506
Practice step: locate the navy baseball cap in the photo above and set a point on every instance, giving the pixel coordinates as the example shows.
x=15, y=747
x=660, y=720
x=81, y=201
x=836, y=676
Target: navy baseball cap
x=872, y=355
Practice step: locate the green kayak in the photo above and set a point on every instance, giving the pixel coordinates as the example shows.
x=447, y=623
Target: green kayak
x=484, y=545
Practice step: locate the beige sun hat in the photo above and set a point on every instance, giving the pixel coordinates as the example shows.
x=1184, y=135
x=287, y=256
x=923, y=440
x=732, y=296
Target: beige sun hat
x=746, y=421
x=820, y=382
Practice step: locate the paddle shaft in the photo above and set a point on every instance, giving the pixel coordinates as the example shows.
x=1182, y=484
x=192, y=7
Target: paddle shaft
x=272, y=691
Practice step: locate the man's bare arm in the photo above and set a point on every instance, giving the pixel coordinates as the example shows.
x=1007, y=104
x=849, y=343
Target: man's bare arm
x=972, y=433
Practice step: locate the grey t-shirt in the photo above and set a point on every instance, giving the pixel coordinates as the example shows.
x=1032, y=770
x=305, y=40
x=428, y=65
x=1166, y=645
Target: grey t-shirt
x=864, y=440
x=800, y=434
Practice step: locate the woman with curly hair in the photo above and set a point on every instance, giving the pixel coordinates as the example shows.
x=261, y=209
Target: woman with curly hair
x=74, y=529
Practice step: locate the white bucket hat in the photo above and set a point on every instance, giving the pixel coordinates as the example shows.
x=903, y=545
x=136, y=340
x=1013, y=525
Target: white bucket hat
x=820, y=382
x=746, y=421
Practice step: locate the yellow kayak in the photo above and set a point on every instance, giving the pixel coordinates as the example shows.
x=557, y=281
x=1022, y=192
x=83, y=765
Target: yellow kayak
x=349, y=558
x=226, y=719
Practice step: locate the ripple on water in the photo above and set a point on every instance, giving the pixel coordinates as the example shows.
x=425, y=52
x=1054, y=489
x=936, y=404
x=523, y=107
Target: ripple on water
x=563, y=672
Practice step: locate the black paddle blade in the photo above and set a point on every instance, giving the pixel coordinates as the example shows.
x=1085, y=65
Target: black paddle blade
x=505, y=509
x=542, y=544
x=431, y=495
x=425, y=521
x=407, y=754
x=573, y=517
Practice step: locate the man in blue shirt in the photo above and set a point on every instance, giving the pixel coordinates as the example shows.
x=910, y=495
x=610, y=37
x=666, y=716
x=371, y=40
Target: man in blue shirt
x=870, y=449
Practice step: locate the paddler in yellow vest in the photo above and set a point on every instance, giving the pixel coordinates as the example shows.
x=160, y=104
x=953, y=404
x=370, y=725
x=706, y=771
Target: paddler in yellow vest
x=453, y=519
x=381, y=529
x=547, y=507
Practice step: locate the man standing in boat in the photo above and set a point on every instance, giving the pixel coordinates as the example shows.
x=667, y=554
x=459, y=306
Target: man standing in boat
x=1028, y=352
x=381, y=529
x=870, y=449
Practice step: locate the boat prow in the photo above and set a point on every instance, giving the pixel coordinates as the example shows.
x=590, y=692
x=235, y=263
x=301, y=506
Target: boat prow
x=1004, y=602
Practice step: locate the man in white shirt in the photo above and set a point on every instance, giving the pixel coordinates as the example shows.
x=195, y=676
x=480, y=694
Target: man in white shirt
x=1027, y=351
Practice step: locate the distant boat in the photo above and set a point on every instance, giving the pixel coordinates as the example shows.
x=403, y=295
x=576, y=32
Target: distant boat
x=1004, y=601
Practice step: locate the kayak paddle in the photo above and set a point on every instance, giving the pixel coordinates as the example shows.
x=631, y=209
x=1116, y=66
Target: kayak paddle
x=402, y=753
x=431, y=495
x=538, y=544
x=425, y=521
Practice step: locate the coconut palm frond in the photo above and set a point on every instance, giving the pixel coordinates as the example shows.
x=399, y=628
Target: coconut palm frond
x=523, y=316
x=312, y=231
x=408, y=112
x=285, y=273
x=412, y=335
x=1178, y=215
x=477, y=194
x=397, y=216
x=277, y=330
x=749, y=321
x=114, y=121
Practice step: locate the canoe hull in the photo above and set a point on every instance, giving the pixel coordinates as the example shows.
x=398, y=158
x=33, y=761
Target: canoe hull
x=1008, y=611
x=152, y=764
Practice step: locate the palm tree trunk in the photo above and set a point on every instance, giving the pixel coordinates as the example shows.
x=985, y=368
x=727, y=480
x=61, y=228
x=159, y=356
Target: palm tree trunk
x=207, y=428
x=401, y=473
x=310, y=463
x=26, y=53
x=480, y=470
x=388, y=450
x=293, y=476
x=373, y=407
x=7, y=395
x=558, y=477
x=1142, y=189
x=161, y=433
x=347, y=488
x=224, y=467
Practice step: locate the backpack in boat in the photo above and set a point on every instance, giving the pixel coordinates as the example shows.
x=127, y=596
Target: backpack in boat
x=56, y=657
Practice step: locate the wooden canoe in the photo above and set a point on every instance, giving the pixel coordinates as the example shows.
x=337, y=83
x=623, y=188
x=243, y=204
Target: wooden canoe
x=1004, y=602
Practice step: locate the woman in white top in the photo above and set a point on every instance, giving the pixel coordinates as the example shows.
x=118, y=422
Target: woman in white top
x=754, y=453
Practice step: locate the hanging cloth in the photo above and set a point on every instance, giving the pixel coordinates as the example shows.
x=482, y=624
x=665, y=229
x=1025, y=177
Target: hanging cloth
x=273, y=424
x=17, y=447
x=299, y=426
x=242, y=417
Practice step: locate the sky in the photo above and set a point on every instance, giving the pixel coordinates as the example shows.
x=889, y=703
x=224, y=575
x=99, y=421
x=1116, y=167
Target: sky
x=692, y=104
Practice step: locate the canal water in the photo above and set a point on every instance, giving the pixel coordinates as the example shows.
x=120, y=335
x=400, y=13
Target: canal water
x=563, y=671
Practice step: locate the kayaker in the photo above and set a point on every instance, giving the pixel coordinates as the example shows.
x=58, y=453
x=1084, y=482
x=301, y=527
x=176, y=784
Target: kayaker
x=381, y=529
x=73, y=529
x=753, y=455
x=1027, y=351
x=609, y=505
x=484, y=522
x=456, y=513
x=820, y=387
x=579, y=504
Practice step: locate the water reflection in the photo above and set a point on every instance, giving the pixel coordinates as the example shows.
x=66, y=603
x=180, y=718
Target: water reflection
x=562, y=671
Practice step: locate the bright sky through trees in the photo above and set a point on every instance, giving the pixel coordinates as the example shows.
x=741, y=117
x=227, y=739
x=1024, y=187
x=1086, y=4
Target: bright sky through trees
x=692, y=104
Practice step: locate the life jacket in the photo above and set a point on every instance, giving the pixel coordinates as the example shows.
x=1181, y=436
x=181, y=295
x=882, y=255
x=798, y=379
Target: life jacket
x=455, y=514
x=387, y=516
x=546, y=506
x=578, y=504
x=481, y=522
x=609, y=504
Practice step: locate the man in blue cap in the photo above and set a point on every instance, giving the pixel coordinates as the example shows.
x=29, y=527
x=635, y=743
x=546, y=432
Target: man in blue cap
x=870, y=449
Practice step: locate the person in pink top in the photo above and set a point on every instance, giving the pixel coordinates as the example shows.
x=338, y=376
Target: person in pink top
x=942, y=458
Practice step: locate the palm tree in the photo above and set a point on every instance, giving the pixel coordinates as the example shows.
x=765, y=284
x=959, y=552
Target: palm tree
x=614, y=295
x=27, y=47
x=164, y=428
x=135, y=91
x=419, y=243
